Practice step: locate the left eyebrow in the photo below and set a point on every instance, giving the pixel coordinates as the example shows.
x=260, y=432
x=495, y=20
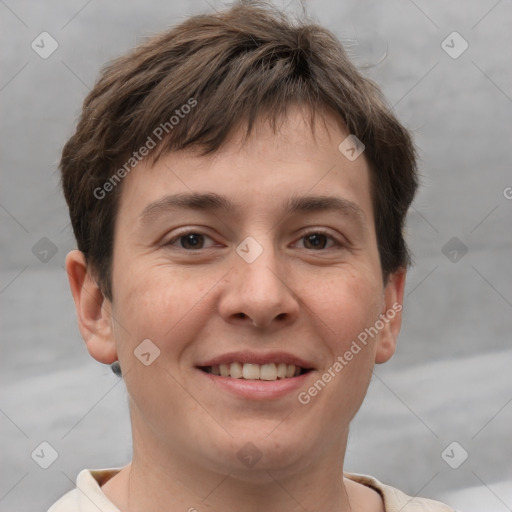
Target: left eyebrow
x=326, y=203
x=216, y=202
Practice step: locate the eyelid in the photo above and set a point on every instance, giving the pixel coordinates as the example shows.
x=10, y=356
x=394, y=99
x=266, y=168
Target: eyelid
x=185, y=231
x=325, y=232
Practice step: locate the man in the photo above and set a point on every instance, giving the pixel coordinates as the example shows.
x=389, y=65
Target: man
x=238, y=194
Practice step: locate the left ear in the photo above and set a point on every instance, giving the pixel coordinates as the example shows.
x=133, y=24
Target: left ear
x=391, y=316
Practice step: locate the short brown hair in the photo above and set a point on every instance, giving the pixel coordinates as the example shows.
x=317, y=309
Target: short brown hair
x=247, y=63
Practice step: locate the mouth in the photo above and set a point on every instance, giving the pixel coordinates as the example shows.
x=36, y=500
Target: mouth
x=256, y=376
x=253, y=371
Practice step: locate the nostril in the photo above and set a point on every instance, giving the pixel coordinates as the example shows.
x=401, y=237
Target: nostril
x=241, y=315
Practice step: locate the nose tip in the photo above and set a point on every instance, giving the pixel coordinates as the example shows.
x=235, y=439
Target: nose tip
x=257, y=295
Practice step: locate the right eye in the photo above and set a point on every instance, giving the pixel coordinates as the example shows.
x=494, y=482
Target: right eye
x=190, y=240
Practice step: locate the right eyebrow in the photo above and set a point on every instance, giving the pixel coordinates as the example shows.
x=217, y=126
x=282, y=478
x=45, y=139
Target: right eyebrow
x=191, y=201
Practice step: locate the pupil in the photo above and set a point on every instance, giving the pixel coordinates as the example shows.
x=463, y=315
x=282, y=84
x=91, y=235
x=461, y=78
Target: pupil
x=316, y=240
x=191, y=240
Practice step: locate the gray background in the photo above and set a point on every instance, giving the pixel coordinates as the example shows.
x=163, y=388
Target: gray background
x=451, y=379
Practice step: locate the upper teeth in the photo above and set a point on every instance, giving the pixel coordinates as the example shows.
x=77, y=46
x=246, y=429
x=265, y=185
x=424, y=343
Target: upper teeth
x=272, y=371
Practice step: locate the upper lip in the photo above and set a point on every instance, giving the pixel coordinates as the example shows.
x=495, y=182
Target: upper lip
x=257, y=358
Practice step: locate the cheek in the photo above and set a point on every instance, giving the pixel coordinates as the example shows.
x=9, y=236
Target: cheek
x=350, y=305
x=161, y=305
x=346, y=306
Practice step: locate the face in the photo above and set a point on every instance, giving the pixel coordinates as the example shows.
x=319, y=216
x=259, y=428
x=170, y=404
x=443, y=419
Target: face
x=260, y=260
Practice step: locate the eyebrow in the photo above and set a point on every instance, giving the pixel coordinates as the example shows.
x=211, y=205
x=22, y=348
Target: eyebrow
x=189, y=201
x=326, y=203
x=216, y=202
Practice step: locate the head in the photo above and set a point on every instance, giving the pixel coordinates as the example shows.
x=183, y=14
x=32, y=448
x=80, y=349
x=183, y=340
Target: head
x=230, y=124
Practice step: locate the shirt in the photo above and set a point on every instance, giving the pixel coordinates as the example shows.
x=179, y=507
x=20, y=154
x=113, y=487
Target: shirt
x=88, y=496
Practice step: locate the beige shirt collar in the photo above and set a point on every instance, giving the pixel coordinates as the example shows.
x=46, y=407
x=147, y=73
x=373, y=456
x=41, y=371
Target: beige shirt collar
x=88, y=496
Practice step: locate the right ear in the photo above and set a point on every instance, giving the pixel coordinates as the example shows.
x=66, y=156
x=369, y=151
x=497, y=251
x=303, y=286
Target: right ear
x=94, y=310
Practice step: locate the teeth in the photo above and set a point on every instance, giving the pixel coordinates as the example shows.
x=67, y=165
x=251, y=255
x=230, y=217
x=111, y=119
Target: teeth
x=235, y=370
x=250, y=371
x=281, y=370
x=268, y=372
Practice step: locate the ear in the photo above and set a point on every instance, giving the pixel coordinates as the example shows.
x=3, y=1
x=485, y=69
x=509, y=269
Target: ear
x=391, y=316
x=94, y=311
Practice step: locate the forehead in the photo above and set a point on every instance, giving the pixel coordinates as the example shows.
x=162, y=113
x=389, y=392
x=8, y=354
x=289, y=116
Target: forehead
x=274, y=169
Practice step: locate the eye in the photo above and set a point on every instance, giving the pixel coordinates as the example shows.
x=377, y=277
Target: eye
x=318, y=240
x=190, y=240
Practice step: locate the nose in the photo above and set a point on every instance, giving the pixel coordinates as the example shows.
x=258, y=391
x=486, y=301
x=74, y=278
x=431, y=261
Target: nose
x=259, y=293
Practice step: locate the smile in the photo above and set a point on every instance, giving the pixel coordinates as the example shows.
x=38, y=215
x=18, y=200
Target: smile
x=253, y=371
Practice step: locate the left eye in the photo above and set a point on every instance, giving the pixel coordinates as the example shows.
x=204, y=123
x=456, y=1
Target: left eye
x=316, y=241
x=190, y=240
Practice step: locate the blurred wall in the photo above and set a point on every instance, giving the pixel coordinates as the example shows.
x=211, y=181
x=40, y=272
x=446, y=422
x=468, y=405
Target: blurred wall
x=445, y=68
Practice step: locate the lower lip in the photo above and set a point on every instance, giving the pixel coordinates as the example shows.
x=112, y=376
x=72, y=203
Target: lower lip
x=258, y=389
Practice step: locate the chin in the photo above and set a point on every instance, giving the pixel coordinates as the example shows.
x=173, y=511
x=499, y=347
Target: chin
x=261, y=457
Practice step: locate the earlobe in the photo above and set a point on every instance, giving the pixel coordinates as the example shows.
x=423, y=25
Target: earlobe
x=391, y=316
x=94, y=311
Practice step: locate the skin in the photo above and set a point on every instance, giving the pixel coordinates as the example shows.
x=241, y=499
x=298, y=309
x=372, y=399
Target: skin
x=311, y=301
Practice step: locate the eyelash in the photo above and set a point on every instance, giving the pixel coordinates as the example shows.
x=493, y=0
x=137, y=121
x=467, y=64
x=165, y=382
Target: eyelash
x=177, y=237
